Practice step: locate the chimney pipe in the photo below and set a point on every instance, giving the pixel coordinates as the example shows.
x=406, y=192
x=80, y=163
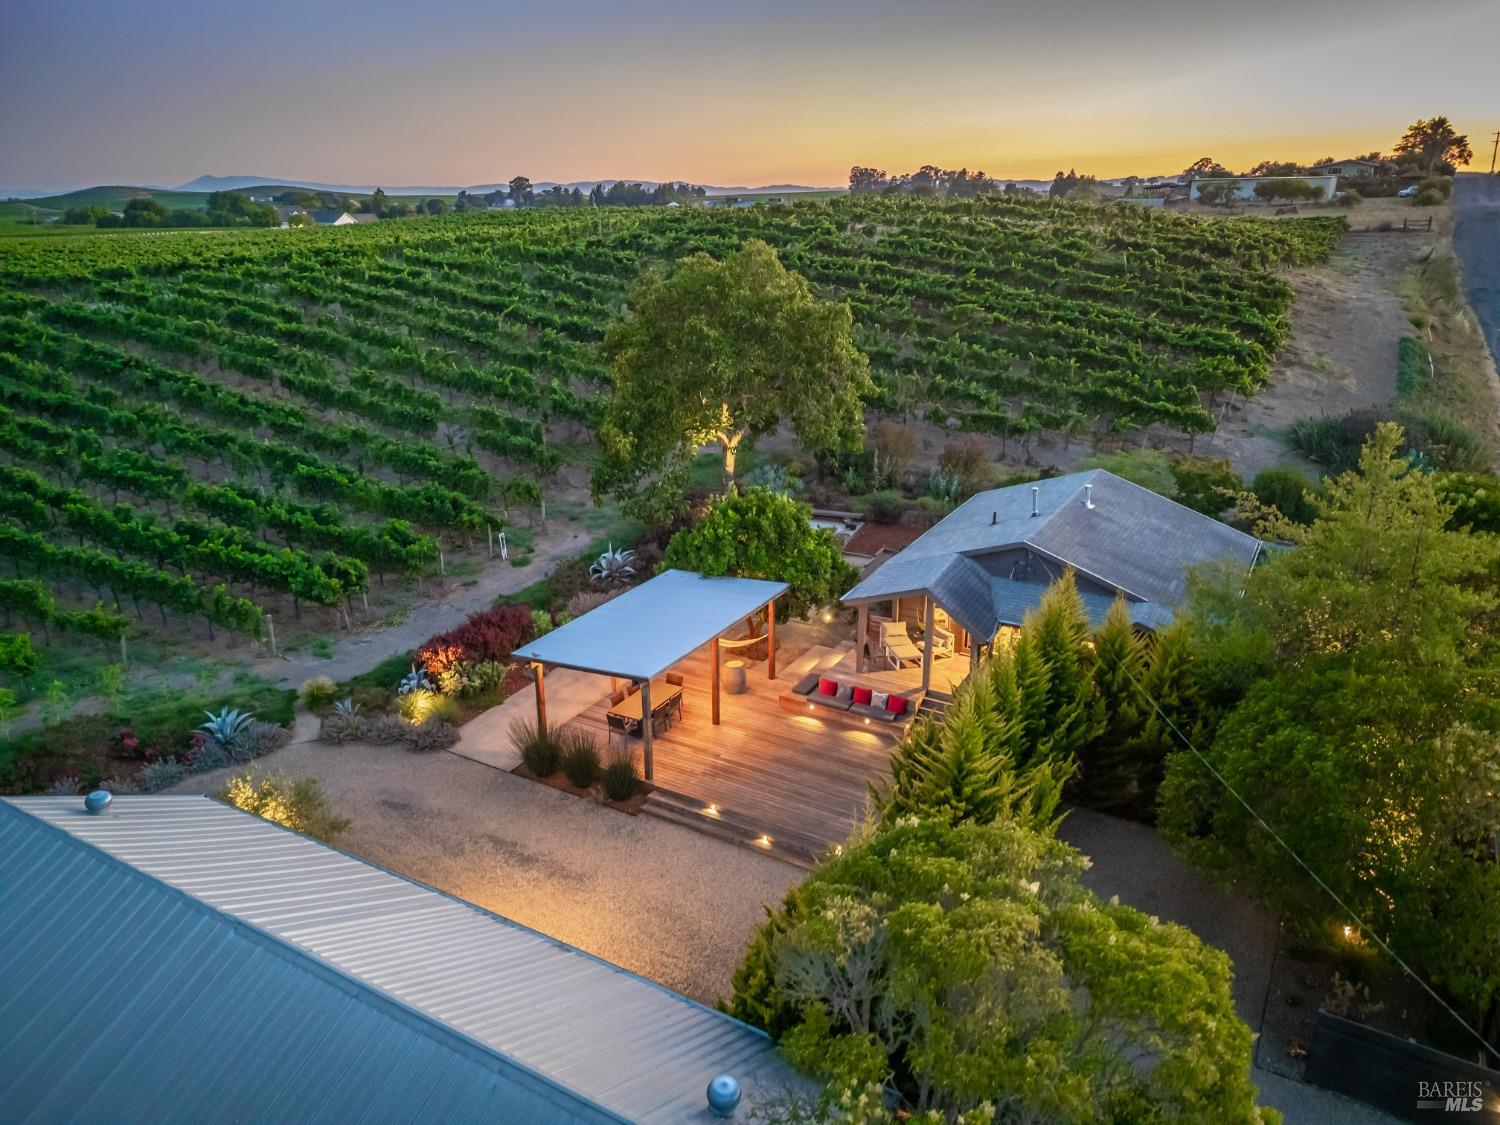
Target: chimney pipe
x=1088, y=494
x=1036, y=501
x=994, y=518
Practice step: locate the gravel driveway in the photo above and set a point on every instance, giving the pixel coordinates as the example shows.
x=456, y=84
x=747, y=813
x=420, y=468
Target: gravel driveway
x=664, y=901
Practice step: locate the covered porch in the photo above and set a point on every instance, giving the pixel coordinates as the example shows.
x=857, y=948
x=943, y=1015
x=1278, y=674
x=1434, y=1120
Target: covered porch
x=912, y=641
x=735, y=754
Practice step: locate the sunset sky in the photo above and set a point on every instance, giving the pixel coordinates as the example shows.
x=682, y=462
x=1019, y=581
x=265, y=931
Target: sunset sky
x=461, y=93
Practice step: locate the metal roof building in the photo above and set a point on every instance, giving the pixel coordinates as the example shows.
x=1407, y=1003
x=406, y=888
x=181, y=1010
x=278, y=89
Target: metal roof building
x=646, y=630
x=990, y=560
x=176, y=960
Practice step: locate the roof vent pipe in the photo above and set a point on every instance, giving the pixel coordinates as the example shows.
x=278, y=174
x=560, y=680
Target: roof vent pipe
x=994, y=518
x=723, y=1095
x=1036, y=500
x=1088, y=496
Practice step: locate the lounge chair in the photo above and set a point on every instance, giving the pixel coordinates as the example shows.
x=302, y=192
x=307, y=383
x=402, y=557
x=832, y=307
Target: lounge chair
x=897, y=646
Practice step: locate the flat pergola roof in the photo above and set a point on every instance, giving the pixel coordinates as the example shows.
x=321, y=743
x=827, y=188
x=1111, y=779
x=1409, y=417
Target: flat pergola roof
x=643, y=632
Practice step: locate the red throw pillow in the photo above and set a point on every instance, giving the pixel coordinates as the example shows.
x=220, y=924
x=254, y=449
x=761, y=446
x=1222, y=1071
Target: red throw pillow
x=896, y=704
x=828, y=687
x=862, y=695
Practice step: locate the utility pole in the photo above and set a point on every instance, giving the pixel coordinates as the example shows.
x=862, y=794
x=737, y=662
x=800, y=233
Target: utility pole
x=1494, y=152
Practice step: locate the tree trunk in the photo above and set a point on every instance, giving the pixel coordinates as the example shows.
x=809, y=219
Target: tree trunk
x=731, y=442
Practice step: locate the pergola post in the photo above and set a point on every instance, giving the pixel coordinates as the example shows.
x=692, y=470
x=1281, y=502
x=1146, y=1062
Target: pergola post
x=647, y=724
x=973, y=654
x=714, y=644
x=541, y=697
x=927, y=626
x=861, y=636
x=771, y=639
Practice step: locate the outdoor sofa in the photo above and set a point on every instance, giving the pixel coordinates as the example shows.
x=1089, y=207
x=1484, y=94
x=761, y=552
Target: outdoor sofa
x=854, y=699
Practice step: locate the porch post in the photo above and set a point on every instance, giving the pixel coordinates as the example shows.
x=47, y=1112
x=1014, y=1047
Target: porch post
x=541, y=697
x=862, y=637
x=973, y=654
x=927, y=624
x=715, y=645
x=771, y=640
x=646, y=725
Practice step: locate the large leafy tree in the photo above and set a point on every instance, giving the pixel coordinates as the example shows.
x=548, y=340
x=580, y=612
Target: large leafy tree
x=1434, y=141
x=726, y=351
x=763, y=534
x=1370, y=744
x=966, y=966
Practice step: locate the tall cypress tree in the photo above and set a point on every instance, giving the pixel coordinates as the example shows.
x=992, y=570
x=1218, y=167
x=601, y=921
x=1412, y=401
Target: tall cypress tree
x=1169, y=679
x=1060, y=633
x=1108, y=769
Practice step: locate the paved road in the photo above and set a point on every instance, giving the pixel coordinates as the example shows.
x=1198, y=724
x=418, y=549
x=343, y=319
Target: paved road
x=1476, y=238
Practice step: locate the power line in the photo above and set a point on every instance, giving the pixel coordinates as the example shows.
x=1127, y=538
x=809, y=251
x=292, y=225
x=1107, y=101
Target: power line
x=1345, y=907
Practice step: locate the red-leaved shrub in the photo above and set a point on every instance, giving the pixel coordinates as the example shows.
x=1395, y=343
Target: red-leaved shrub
x=490, y=634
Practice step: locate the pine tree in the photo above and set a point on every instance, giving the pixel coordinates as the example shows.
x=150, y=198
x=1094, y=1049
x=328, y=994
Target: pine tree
x=1108, y=768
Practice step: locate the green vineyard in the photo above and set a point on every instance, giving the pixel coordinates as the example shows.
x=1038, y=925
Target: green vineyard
x=203, y=425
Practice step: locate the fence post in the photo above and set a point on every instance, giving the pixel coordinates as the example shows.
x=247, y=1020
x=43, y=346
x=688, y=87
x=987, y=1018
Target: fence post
x=271, y=630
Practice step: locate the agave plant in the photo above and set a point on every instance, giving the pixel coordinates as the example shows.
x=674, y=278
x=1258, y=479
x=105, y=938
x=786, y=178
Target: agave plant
x=613, y=567
x=346, y=709
x=415, y=680
x=228, y=728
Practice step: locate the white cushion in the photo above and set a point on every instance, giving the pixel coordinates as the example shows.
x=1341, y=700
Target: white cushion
x=879, y=698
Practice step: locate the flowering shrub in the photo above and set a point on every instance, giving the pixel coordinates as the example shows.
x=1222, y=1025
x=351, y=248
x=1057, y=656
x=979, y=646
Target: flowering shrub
x=490, y=634
x=464, y=678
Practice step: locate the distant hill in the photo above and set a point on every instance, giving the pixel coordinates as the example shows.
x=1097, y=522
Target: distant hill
x=242, y=183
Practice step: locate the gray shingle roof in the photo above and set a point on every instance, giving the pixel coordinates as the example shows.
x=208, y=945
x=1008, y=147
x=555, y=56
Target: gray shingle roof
x=178, y=960
x=1131, y=540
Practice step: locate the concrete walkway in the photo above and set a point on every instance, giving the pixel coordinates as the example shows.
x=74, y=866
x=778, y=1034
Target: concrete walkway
x=486, y=738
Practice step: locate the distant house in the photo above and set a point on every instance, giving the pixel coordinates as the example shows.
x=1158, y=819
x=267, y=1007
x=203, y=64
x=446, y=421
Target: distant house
x=980, y=570
x=1244, y=186
x=365, y=217
x=334, y=218
x=1350, y=169
x=325, y=988
x=285, y=211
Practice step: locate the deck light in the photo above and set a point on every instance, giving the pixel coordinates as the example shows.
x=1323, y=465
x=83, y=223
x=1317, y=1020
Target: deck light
x=764, y=841
x=867, y=722
x=712, y=810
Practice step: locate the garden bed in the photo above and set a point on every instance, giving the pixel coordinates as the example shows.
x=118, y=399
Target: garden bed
x=631, y=805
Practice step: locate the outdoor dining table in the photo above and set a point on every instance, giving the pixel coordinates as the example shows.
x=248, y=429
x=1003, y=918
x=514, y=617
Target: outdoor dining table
x=663, y=695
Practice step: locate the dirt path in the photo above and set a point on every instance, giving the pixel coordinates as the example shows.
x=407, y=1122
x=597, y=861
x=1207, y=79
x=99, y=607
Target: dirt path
x=1346, y=324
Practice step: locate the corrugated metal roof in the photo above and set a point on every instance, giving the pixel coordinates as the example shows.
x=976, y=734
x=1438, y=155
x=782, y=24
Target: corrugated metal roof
x=178, y=960
x=645, y=631
x=1131, y=539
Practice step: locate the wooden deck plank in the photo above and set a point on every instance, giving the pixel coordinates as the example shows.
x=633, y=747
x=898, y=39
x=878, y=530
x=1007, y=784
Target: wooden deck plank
x=799, y=778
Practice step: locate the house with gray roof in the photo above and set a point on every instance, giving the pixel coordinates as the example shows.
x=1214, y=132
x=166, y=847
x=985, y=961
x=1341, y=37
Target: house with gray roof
x=980, y=570
x=176, y=960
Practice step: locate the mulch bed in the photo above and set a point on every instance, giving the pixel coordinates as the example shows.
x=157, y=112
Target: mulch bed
x=595, y=793
x=873, y=537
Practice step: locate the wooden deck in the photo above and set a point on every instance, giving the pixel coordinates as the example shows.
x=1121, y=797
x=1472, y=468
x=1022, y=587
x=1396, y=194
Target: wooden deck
x=791, y=784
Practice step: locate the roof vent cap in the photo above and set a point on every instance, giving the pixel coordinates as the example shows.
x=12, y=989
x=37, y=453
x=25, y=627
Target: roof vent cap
x=1088, y=496
x=1036, y=500
x=97, y=802
x=723, y=1095
x=994, y=518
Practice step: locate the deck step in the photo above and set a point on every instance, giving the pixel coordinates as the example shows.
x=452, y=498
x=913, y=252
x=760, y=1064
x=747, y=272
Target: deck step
x=935, y=704
x=725, y=824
